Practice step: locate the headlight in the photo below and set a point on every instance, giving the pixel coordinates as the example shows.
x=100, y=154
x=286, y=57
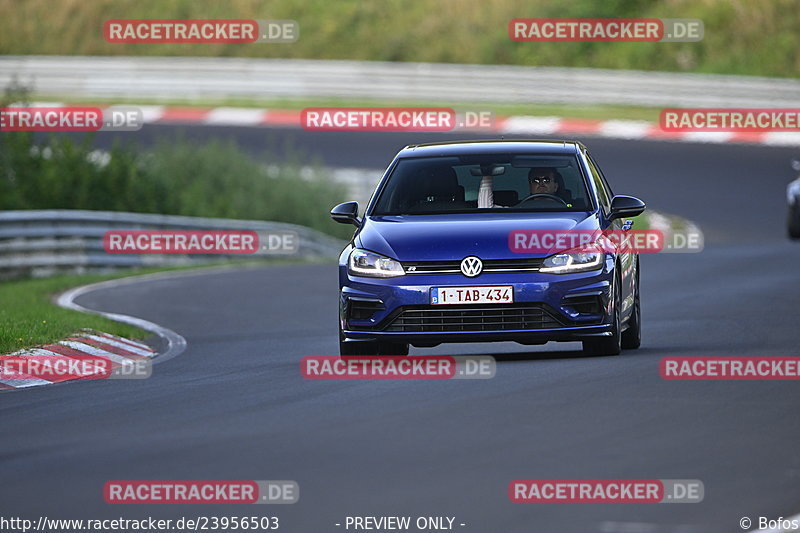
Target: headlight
x=577, y=260
x=370, y=264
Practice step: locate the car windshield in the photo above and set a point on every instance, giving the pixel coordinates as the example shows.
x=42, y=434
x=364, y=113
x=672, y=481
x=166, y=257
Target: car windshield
x=485, y=183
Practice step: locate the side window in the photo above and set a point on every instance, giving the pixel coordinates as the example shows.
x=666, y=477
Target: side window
x=603, y=177
x=603, y=193
x=470, y=183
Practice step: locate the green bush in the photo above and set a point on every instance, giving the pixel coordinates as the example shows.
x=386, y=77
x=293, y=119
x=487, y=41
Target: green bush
x=177, y=177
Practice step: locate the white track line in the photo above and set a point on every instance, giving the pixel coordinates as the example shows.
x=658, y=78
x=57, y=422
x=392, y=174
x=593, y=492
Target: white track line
x=531, y=125
x=121, y=345
x=175, y=342
x=235, y=116
x=93, y=350
x=708, y=136
x=151, y=113
x=39, y=352
x=140, y=345
x=781, y=138
x=24, y=383
x=625, y=129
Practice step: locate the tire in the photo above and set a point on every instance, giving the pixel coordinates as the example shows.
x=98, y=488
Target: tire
x=632, y=337
x=608, y=345
x=794, y=222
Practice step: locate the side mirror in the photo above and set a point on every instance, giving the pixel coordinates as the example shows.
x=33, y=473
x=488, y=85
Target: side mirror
x=626, y=206
x=346, y=213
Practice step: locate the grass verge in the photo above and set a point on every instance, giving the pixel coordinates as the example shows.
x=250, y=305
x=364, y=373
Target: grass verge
x=29, y=317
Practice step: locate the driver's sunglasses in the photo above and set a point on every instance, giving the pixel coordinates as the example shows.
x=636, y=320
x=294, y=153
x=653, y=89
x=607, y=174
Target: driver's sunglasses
x=541, y=180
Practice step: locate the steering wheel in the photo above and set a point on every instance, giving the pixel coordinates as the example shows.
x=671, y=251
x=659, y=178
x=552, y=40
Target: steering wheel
x=545, y=196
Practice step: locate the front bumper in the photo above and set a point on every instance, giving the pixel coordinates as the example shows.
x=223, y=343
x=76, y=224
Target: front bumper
x=547, y=307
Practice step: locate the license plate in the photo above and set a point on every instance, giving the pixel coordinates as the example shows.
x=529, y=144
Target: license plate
x=497, y=294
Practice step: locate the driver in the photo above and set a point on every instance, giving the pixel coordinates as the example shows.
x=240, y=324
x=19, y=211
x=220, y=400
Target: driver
x=542, y=180
x=547, y=180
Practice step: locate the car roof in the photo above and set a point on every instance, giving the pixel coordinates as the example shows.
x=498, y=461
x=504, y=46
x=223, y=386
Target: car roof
x=493, y=146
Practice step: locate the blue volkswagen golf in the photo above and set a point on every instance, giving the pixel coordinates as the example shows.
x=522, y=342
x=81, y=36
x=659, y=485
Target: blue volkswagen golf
x=431, y=261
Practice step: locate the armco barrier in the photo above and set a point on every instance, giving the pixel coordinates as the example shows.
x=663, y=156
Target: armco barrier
x=187, y=78
x=45, y=242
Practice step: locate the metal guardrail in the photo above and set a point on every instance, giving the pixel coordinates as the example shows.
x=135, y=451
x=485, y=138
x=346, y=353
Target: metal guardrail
x=41, y=243
x=202, y=78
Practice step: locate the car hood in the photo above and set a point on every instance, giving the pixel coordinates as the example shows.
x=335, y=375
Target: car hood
x=449, y=237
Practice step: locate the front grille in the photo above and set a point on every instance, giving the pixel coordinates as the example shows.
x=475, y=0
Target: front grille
x=449, y=318
x=489, y=265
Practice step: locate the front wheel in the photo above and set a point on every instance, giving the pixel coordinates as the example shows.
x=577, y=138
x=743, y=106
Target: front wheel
x=794, y=221
x=611, y=345
x=632, y=337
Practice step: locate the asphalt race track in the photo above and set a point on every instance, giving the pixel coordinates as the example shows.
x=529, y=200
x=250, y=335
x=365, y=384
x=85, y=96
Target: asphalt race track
x=234, y=406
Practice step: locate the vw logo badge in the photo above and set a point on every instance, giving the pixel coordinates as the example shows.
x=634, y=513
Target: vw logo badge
x=471, y=266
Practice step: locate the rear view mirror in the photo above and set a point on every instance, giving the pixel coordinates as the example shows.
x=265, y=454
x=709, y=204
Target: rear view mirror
x=346, y=213
x=626, y=206
x=488, y=170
